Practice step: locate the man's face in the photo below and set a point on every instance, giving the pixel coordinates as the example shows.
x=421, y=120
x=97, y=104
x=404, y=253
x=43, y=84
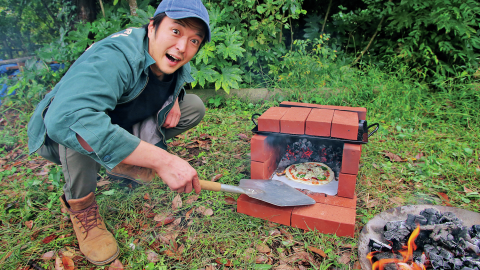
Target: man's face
x=173, y=45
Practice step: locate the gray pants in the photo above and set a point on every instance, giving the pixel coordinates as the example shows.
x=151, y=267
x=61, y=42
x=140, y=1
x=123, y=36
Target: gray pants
x=81, y=171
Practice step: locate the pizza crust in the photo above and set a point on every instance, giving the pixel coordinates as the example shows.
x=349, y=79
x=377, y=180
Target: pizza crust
x=310, y=173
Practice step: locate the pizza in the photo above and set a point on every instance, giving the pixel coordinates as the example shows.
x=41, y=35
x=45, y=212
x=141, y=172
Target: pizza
x=310, y=173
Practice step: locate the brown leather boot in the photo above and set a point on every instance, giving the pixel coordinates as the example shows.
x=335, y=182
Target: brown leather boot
x=134, y=173
x=96, y=242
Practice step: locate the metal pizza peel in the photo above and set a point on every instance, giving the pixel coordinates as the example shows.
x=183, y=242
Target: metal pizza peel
x=270, y=191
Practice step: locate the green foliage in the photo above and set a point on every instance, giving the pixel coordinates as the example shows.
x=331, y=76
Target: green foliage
x=26, y=26
x=247, y=35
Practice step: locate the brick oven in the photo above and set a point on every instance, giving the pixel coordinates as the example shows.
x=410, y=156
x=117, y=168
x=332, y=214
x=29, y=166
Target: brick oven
x=333, y=135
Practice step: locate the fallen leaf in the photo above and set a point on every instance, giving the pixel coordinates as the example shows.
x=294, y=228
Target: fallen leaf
x=377, y=167
x=243, y=137
x=58, y=263
x=168, y=237
x=230, y=200
x=29, y=224
x=49, y=239
x=393, y=157
x=163, y=219
x=467, y=190
x=300, y=256
x=419, y=155
x=209, y=267
x=68, y=263
x=261, y=258
x=445, y=198
x=147, y=197
x=372, y=203
x=357, y=266
x=177, y=202
x=318, y=251
x=263, y=248
x=152, y=256
x=345, y=258
x=48, y=255
x=206, y=212
x=225, y=262
x=187, y=215
x=116, y=265
x=283, y=267
x=191, y=199
x=274, y=232
x=286, y=234
x=216, y=177
x=103, y=183
x=171, y=254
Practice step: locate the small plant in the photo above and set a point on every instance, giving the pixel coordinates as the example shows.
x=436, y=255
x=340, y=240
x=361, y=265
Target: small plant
x=215, y=102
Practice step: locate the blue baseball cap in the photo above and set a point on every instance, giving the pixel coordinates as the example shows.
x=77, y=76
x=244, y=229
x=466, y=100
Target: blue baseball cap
x=181, y=9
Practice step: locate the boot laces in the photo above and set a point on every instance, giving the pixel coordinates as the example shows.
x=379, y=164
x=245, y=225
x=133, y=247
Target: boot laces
x=88, y=217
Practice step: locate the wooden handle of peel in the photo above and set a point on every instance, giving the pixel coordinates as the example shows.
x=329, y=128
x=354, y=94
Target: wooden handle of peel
x=209, y=185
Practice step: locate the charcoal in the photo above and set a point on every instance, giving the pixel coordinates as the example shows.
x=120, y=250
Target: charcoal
x=457, y=264
x=376, y=245
x=431, y=214
x=448, y=217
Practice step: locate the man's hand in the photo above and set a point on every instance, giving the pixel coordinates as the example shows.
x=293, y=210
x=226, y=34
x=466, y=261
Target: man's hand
x=173, y=116
x=179, y=175
x=174, y=171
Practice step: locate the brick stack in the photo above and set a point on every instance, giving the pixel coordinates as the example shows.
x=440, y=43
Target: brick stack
x=330, y=214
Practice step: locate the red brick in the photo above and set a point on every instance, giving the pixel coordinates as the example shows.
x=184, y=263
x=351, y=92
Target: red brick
x=362, y=112
x=263, y=210
x=346, y=185
x=260, y=149
x=270, y=120
x=263, y=170
x=325, y=218
x=345, y=125
x=351, y=158
x=293, y=122
x=319, y=122
x=333, y=200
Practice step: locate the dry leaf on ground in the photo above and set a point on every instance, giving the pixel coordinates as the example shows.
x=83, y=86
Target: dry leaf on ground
x=445, y=198
x=29, y=224
x=152, y=256
x=243, y=137
x=6, y=256
x=345, y=258
x=283, y=267
x=357, y=266
x=68, y=263
x=274, y=232
x=467, y=190
x=318, y=251
x=393, y=157
x=300, y=256
x=191, y=199
x=286, y=234
x=177, y=202
x=261, y=258
x=230, y=200
x=263, y=248
x=225, y=262
x=372, y=203
x=204, y=211
x=48, y=255
x=49, y=239
x=164, y=218
x=216, y=177
x=116, y=265
x=103, y=183
x=147, y=197
x=58, y=264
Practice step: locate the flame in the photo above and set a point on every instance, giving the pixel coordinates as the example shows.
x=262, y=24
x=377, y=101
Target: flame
x=407, y=255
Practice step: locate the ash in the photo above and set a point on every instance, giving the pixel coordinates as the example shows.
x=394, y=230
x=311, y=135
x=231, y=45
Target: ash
x=303, y=150
x=443, y=238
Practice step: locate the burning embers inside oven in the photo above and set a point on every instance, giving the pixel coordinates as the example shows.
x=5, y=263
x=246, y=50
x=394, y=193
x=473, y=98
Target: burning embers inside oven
x=431, y=240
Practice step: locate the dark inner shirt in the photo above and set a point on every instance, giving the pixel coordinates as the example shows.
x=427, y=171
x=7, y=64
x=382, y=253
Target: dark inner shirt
x=148, y=103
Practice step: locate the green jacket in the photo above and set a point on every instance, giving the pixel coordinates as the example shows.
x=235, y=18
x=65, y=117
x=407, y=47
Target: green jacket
x=110, y=72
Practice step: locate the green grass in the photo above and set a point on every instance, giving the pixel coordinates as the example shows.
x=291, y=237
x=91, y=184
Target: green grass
x=436, y=133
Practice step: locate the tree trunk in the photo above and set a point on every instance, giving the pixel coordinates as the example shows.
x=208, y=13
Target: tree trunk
x=133, y=7
x=86, y=10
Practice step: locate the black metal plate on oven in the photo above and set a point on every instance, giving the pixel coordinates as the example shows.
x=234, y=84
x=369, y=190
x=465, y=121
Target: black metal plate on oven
x=266, y=133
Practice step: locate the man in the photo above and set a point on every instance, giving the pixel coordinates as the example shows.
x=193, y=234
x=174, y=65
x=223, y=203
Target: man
x=115, y=107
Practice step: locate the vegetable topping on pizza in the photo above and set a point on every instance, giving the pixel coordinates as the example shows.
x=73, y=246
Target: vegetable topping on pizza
x=310, y=173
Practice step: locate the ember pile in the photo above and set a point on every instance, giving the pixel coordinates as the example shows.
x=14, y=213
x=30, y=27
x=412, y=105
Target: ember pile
x=431, y=240
x=303, y=150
